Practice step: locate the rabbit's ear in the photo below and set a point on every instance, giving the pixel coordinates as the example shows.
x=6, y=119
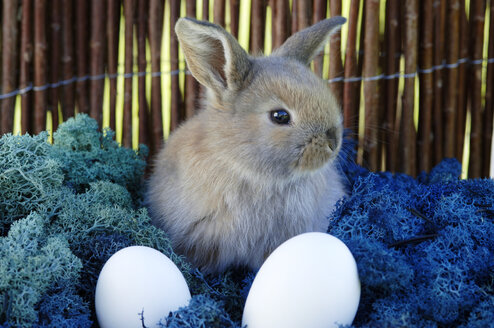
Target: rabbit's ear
x=213, y=56
x=307, y=43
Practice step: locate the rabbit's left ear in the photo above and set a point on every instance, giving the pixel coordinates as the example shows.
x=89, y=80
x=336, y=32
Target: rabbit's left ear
x=307, y=43
x=213, y=55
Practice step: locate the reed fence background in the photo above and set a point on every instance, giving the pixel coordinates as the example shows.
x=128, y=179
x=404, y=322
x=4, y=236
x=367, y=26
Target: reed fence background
x=415, y=78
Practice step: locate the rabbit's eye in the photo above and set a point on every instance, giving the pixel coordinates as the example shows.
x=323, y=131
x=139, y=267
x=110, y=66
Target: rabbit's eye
x=280, y=116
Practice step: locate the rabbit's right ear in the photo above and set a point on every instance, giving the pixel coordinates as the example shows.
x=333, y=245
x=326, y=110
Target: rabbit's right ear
x=213, y=56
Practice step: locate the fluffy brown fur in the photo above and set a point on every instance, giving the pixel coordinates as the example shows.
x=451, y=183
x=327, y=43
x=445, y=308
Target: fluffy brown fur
x=230, y=185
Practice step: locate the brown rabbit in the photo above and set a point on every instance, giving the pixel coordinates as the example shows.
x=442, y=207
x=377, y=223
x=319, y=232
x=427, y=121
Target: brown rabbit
x=255, y=166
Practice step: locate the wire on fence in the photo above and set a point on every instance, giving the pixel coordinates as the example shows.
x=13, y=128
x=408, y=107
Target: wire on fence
x=397, y=75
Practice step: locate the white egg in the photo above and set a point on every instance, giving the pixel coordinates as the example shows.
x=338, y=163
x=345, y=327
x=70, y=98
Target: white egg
x=309, y=281
x=139, y=280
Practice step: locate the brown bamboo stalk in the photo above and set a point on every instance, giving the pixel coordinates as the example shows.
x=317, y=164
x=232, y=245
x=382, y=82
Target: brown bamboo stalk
x=9, y=55
x=407, y=140
x=81, y=51
x=258, y=19
x=320, y=8
x=371, y=62
x=390, y=92
x=280, y=22
x=55, y=19
x=191, y=92
x=489, y=101
x=40, y=60
x=145, y=133
x=234, y=17
x=97, y=59
x=112, y=32
x=26, y=58
x=67, y=90
x=335, y=63
x=177, y=115
x=155, y=35
x=304, y=13
x=351, y=89
x=477, y=18
x=437, y=123
x=426, y=86
x=129, y=9
x=294, y=20
x=451, y=92
x=462, y=84
x=205, y=10
x=218, y=11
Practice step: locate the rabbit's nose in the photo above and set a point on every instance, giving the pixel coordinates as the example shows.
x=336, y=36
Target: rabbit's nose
x=332, y=136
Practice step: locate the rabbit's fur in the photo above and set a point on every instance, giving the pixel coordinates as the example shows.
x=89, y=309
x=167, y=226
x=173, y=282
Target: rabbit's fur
x=231, y=185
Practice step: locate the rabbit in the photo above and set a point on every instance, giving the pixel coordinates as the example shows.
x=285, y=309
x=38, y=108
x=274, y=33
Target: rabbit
x=255, y=165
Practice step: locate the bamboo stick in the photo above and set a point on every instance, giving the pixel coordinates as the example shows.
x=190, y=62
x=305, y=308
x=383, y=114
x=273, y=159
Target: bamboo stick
x=371, y=62
x=320, y=9
x=177, y=115
x=426, y=87
x=407, y=140
x=191, y=86
x=304, y=13
x=97, y=59
x=54, y=44
x=129, y=7
x=437, y=123
x=462, y=84
x=40, y=61
x=9, y=55
x=489, y=101
x=112, y=32
x=9, y=59
x=155, y=35
x=81, y=21
x=451, y=92
x=68, y=90
x=335, y=64
x=390, y=92
x=26, y=58
x=218, y=12
x=258, y=19
x=205, y=10
x=142, y=28
x=477, y=18
x=351, y=89
x=234, y=17
x=280, y=22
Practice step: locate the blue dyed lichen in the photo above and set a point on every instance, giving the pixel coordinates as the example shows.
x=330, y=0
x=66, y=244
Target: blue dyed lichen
x=424, y=246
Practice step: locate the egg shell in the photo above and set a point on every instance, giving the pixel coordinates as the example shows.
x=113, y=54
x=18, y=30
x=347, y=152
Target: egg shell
x=137, y=280
x=309, y=281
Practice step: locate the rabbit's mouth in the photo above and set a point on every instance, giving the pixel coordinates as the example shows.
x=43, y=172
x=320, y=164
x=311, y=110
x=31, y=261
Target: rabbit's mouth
x=317, y=153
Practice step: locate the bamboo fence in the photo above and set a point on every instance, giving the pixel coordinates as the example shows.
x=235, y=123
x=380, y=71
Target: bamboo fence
x=415, y=79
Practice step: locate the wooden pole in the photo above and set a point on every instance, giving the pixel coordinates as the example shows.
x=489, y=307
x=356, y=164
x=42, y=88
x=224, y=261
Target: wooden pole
x=258, y=19
x=437, y=123
x=280, y=20
x=477, y=18
x=40, y=61
x=407, y=142
x=489, y=101
x=129, y=7
x=191, y=86
x=26, y=58
x=351, y=89
x=320, y=9
x=371, y=62
x=54, y=57
x=462, y=84
x=9, y=62
x=177, y=115
x=426, y=99
x=219, y=11
x=112, y=34
x=81, y=22
x=234, y=17
x=155, y=35
x=68, y=72
x=142, y=27
x=335, y=63
x=451, y=92
x=97, y=59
